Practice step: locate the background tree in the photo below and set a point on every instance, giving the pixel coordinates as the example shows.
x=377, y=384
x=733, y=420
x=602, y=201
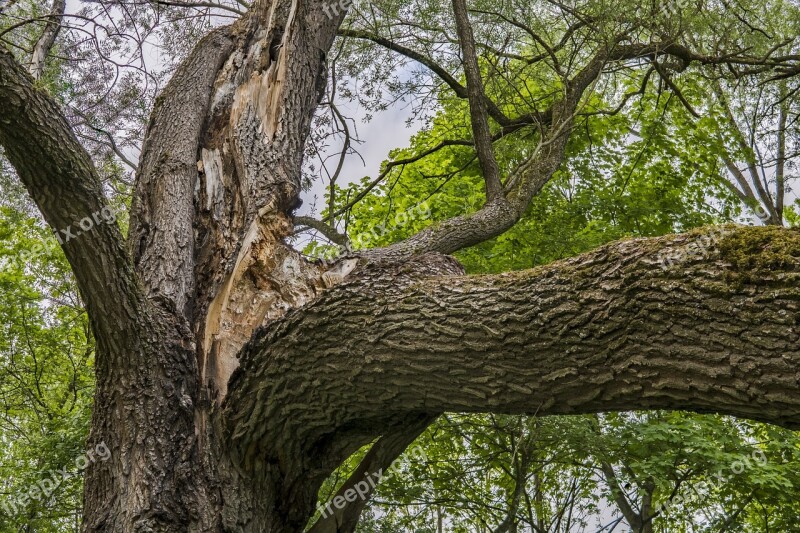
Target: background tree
x=46, y=379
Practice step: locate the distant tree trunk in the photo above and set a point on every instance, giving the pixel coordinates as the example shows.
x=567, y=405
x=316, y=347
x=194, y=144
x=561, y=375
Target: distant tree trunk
x=233, y=377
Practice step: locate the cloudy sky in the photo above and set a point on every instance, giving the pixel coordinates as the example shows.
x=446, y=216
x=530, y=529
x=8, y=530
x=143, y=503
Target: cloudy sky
x=387, y=130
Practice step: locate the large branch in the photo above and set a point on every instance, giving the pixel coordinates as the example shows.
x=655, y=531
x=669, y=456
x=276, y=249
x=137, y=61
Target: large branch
x=528, y=179
x=61, y=178
x=501, y=213
x=706, y=321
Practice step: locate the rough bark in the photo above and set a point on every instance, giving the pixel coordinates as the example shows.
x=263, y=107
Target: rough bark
x=610, y=330
x=169, y=469
x=64, y=184
x=143, y=404
x=161, y=231
x=478, y=115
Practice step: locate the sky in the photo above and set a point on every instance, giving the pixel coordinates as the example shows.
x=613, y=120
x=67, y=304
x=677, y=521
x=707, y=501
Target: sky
x=387, y=130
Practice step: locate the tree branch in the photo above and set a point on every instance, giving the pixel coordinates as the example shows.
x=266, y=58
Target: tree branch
x=47, y=39
x=193, y=3
x=521, y=466
x=501, y=213
x=388, y=167
x=328, y=231
x=345, y=148
x=61, y=178
x=766, y=201
x=532, y=175
x=714, y=329
x=780, y=164
x=731, y=520
x=365, y=478
x=434, y=67
x=664, y=74
x=620, y=498
x=550, y=51
x=477, y=98
x=161, y=234
x=110, y=141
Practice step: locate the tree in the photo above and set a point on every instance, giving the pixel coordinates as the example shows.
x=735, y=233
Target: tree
x=233, y=376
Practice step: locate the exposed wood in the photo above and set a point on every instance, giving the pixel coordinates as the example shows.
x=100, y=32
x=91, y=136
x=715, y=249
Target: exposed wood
x=162, y=215
x=325, y=359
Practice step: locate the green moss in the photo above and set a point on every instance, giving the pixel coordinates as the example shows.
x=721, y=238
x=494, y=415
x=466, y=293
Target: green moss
x=754, y=252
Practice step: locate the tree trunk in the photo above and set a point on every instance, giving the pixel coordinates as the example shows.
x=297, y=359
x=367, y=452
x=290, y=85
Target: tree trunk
x=215, y=190
x=233, y=378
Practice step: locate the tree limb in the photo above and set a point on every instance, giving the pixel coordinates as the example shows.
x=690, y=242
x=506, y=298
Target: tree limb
x=328, y=231
x=193, y=3
x=780, y=165
x=110, y=141
x=763, y=195
x=161, y=236
x=365, y=478
x=47, y=39
x=620, y=498
x=477, y=107
x=521, y=466
x=528, y=178
x=714, y=329
x=664, y=74
x=434, y=67
x=501, y=213
x=731, y=520
x=388, y=167
x=61, y=178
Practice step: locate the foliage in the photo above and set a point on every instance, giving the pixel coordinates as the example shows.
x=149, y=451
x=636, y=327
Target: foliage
x=654, y=167
x=46, y=377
